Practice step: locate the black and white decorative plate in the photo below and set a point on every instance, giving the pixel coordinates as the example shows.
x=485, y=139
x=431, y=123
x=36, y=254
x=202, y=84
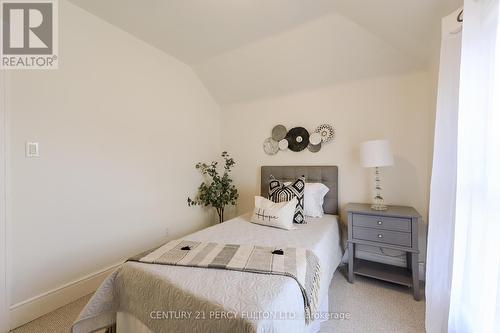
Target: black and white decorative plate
x=298, y=139
x=283, y=144
x=279, y=133
x=315, y=138
x=326, y=131
x=270, y=146
x=314, y=148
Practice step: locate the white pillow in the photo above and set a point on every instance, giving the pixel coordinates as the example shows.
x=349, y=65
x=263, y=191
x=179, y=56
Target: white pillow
x=314, y=195
x=274, y=214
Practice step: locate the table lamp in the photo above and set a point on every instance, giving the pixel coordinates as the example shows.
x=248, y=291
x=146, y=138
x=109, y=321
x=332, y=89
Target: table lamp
x=376, y=154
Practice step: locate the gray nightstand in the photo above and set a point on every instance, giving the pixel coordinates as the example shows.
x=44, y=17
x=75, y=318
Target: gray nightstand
x=395, y=228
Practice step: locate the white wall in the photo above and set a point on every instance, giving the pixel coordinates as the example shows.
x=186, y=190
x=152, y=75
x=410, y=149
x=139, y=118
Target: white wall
x=120, y=126
x=395, y=107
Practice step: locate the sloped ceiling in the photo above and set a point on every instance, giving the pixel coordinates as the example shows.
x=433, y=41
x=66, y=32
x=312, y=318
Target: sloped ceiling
x=250, y=49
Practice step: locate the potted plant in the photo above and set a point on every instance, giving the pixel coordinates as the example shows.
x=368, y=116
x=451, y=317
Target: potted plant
x=217, y=191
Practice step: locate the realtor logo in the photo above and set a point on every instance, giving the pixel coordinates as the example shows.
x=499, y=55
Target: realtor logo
x=29, y=34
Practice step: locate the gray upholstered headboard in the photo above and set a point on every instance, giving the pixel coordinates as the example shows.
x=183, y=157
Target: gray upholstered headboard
x=327, y=175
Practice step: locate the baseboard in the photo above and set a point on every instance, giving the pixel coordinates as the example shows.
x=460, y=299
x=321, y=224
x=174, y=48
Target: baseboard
x=30, y=309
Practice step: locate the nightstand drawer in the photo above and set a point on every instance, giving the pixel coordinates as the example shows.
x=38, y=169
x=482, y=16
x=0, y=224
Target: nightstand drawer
x=381, y=222
x=382, y=236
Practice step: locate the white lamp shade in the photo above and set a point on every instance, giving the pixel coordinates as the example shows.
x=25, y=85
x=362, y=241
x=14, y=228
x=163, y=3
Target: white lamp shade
x=376, y=153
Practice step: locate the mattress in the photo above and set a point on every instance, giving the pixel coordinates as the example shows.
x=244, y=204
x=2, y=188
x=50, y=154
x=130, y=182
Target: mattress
x=268, y=301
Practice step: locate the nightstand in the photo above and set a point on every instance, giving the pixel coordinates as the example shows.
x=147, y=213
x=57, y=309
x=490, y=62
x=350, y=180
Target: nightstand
x=395, y=228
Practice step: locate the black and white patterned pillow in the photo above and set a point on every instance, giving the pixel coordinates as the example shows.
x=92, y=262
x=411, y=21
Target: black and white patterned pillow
x=278, y=192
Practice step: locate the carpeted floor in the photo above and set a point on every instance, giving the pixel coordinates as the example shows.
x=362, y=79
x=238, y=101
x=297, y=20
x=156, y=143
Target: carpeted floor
x=373, y=306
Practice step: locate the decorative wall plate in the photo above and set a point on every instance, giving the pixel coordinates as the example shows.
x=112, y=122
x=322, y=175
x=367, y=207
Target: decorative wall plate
x=315, y=138
x=270, y=146
x=283, y=144
x=314, y=148
x=326, y=131
x=279, y=133
x=298, y=139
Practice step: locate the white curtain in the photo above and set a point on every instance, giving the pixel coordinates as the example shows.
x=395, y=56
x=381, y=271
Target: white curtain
x=443, y=181
x=475, y=290
x=463, y=278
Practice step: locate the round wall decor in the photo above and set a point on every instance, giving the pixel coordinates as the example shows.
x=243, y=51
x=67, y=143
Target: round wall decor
x=326, y=131
x=315, y=138
x=270, y=146
x=283, y=144
x=314, y=148
x=298, y=139
x=278, y=133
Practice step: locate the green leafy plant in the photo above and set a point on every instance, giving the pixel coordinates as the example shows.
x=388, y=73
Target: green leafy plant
x=217, y=191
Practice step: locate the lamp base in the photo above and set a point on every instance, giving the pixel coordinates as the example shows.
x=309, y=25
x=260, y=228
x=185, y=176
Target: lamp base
x=378, y=207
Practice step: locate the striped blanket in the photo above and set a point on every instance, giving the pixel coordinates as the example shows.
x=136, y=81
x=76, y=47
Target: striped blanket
x=299, y=264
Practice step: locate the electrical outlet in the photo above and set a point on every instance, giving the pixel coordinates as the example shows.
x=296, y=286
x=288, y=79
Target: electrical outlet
x=167, y=232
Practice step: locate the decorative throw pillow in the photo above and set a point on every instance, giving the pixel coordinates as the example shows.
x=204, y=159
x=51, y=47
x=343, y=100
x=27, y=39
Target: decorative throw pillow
x=278, y=192
x=272, y=214
x=314, y=195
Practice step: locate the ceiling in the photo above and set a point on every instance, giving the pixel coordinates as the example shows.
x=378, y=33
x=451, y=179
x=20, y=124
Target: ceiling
x=250, y=49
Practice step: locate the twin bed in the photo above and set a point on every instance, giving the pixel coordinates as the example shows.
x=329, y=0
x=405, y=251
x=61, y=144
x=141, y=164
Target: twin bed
x=147, y=298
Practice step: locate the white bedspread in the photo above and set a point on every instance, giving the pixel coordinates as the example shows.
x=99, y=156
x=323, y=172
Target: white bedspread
x=255, y=295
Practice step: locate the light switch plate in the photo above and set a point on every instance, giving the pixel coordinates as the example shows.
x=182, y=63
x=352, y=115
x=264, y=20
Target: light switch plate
x=32, y=149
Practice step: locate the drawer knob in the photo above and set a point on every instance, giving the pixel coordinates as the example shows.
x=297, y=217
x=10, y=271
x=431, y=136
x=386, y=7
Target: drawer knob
x=379, y=222
x=380, y=236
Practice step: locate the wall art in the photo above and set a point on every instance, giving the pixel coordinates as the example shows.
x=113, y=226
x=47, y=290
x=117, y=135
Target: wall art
x=298, y=139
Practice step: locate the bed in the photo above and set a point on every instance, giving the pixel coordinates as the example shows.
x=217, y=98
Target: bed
x=224, y=300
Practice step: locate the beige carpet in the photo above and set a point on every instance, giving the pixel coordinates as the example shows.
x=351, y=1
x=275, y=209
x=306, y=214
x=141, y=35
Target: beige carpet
x=373, y=306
